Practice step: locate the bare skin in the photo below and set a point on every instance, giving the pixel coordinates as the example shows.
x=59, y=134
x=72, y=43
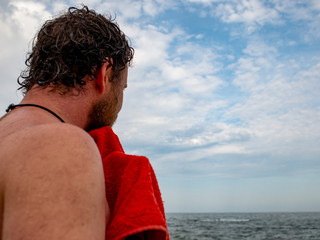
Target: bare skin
x=51, y=175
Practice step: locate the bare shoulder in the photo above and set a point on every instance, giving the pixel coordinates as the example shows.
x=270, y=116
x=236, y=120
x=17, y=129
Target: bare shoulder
x=47, y=147
x=54, y=184
x=53, y=140
x=45, y=132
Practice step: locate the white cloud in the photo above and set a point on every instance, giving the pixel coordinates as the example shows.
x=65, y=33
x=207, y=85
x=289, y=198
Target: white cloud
x=204, y=2
x=123, y=9
x=89, y=3
x=306, y=12
x=17, y=29
x=251, y=12
x=257, y=48
x=281, y=110
x=171, y=89
x=151, y=44
x=29, y=16
x=254, y=65
x=154, y=7
x=296, y=10
x=59, y=7
x=127, y=10
x=254, y=14
x=316, y=4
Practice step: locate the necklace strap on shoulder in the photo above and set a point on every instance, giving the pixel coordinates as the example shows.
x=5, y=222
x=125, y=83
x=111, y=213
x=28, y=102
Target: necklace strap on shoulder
x=12, y=106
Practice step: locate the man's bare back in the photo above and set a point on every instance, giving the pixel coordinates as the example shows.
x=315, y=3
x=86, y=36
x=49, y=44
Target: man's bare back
x=50, y=172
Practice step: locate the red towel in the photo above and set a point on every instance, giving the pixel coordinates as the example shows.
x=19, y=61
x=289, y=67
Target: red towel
x=132, y=191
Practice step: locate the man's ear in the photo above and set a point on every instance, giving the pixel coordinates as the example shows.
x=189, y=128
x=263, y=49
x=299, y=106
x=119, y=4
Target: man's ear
x=104, y=74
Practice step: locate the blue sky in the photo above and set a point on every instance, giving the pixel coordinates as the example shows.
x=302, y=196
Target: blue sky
x=223, y=96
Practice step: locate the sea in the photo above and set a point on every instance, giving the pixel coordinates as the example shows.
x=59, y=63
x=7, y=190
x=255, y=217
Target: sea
x=249, y=226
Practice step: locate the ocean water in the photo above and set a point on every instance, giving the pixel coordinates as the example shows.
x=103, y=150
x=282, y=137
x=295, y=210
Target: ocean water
x=238, y=226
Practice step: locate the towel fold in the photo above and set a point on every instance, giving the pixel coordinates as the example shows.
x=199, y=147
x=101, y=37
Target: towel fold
x=132, y=191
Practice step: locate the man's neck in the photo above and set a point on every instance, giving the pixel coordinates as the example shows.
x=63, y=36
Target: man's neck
x=72, y=107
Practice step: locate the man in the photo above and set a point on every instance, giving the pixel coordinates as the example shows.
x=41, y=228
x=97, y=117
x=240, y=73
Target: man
x=52, y=181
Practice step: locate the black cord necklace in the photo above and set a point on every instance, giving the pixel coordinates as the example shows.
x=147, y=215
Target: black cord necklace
x=12, y=106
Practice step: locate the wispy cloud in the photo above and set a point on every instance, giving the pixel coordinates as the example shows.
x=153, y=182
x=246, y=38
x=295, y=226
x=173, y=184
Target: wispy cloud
x=253, y=13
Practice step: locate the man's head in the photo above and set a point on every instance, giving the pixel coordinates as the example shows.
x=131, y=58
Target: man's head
x=104, y=111
x=70, y=48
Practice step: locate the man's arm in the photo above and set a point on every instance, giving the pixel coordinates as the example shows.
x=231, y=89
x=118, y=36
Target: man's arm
x=54, y=186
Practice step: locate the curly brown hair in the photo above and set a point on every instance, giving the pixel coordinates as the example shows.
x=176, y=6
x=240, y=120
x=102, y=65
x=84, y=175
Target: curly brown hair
x=72, y=46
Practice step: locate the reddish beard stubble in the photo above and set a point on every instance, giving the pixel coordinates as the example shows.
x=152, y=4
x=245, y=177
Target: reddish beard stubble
x=105, y=111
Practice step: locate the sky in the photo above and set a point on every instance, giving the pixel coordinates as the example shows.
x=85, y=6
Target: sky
x=223, y=96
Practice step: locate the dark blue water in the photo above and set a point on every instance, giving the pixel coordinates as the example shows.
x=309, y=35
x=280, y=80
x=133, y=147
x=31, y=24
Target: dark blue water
x=238, y=226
